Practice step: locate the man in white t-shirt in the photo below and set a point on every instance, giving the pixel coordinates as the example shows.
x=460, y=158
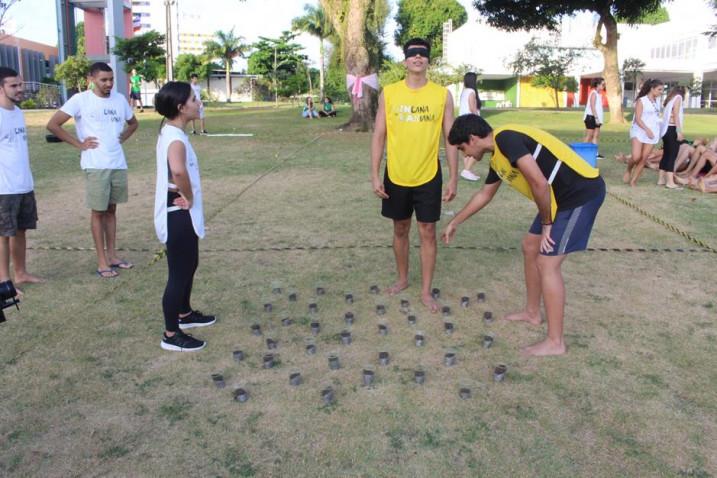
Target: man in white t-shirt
x=18, y=211
x=103, y=120
x=197, y=89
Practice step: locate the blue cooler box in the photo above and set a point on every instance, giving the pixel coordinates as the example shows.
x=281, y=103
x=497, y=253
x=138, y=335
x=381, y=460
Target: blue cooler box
x=587, y=151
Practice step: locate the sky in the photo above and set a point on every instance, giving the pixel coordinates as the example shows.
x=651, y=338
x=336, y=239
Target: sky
x=249, y=19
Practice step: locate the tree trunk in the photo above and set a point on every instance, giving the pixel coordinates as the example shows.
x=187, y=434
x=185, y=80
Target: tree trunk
x=321, y=68
x=611, y=71
x=228, y=73
x=351, y=25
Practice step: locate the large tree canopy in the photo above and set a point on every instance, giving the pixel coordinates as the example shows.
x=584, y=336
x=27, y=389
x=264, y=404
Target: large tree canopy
x=515, y=15
x=425, y=18
x=143, y=52
x=282, y=61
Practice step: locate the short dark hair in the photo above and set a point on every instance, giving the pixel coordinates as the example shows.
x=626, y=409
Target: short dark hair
x=596, y=81
x=6, y=72
x=466, y=125
x=193, y=75
x=99, y=66
x=416, y=42
x=170, y=97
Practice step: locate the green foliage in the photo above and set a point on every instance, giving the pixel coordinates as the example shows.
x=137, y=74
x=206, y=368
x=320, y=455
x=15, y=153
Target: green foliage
x=145, y=53
x=80, y=46
x=281, y=62
x=28, y=104
x=547, y=64
x=632, y=69
x=516, y=15
x=424, y=19
x=73, y=71
x=335, y=83
x=188, y=63
x=438, y=72
x=313, y=22
x=661, y=15
x=225, y=47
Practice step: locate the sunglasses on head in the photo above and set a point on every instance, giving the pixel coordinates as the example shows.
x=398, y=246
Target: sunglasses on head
x=417, y=50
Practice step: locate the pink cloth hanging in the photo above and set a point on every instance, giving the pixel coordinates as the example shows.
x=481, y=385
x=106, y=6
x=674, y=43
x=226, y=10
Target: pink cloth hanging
x=356, y=83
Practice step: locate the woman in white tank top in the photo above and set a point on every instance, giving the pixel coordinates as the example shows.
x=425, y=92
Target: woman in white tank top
x=178, y=214
x=593, y=115
x=469, y=104
x=645, y=130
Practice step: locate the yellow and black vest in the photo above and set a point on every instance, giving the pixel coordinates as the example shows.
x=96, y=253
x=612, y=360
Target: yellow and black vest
x=565, y=155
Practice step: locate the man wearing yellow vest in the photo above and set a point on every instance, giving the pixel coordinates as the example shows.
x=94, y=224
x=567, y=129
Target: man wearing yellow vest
x=412, y=115
x=568, y=193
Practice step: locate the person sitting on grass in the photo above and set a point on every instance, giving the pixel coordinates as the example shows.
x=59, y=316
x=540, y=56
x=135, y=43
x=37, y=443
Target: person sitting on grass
x=568, y=193
x=309, y=112
x=179, y=214
x=328, y=108
x=706, y=160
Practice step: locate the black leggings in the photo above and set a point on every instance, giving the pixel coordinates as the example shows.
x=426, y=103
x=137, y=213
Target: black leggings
x=670, y=148
x=182, y=259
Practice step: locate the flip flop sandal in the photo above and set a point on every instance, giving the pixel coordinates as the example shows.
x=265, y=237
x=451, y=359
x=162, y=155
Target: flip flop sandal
x=106, y=273
x=122, y=265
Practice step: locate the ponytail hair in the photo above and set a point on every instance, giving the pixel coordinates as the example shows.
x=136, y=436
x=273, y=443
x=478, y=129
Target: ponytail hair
x=648, y=85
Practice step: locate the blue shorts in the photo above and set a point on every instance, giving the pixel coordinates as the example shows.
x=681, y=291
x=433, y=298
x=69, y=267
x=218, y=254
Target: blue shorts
x=571, y=228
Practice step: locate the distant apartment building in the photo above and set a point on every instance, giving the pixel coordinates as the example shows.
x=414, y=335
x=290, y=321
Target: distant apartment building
x=34, y=61
x=193, y=42
x=187, y=36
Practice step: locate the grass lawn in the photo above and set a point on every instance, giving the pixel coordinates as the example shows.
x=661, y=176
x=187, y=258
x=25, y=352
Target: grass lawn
x=85, y=389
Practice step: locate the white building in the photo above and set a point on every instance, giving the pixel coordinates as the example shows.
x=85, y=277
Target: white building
x=676, y=52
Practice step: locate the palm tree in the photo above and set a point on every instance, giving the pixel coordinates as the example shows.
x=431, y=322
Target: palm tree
x=315, y=23
x=226, y=46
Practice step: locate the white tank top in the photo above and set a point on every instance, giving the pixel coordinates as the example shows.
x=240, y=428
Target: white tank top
x=167, y=136
x=598, y=107
x=464, y=104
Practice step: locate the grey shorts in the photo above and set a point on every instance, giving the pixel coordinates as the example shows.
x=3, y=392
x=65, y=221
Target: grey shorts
x=105, y=187
x=18, y=212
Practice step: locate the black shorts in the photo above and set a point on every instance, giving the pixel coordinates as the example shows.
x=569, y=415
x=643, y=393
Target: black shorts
x=135, y=95
x=403, y=200
x=590, y=122
x=18, y=212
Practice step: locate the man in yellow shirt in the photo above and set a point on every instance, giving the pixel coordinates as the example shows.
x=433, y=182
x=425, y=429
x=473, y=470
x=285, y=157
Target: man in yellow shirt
x=412, y=115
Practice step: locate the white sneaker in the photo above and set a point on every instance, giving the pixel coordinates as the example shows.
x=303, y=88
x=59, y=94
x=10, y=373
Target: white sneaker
x=468, y=175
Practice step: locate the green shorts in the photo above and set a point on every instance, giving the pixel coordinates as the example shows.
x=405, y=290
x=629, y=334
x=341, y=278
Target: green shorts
x=105, y=187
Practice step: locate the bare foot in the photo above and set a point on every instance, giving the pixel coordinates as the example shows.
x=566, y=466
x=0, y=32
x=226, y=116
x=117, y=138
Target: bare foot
x=430, y=304
x=633, y=183
x=396, y=288
x=626, y=177
x=681, y=180
x=27, y=278
x=524, y=316
x=543, y=349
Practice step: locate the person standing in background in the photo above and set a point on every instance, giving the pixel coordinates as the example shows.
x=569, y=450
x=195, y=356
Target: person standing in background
x=469, y=104
x=135, y=90
x=645, y=129
x=593, y=116
x=672, y=137
x=18, y=210
x=197, y=89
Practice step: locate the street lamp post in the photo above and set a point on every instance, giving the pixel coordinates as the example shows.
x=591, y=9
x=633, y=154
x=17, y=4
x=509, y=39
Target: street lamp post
x=168, y=39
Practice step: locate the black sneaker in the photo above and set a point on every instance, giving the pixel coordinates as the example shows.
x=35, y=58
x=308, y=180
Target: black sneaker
x=194, y=132
x=181, y=342
x=204, y=131
x=196, y=319
x=600, y=156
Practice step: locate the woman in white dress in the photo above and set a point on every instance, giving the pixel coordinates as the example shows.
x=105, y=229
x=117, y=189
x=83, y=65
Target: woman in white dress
x=672, y=137
x=593, y=115
x=645, y=130
x=469, y=104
